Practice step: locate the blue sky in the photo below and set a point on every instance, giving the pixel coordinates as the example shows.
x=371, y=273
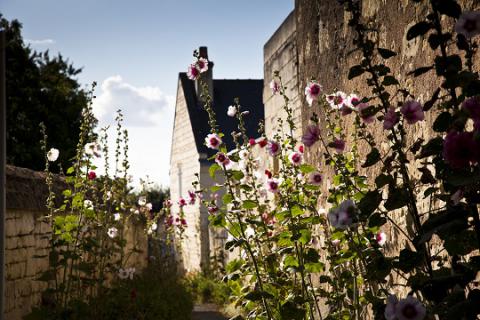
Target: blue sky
x=135, y=49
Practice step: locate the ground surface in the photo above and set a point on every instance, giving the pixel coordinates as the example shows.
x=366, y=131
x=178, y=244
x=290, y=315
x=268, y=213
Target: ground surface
x=206, y=312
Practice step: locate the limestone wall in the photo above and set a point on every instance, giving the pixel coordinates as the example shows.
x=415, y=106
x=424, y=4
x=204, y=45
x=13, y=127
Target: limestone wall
x=27, y=241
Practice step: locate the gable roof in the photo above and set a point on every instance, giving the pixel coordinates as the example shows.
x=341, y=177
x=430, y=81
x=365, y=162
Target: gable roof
x=224, y=92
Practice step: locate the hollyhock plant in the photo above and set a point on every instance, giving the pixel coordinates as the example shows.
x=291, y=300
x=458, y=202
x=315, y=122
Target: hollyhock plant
x=311, y=135
x=52, y=154
x=412, y=111
x=191, y=197
x=468, y=24
x=460, y=149
x=390, y=119
x=232, y=111
x=337, y=100
x=213, y=141
x=295, y=158
x=381, y=238
x=342, y=216
x=273, y=148
x=182, y=202
x=363, y=112
x=315, y=178
x=273, y=185
x=312, y=92
x=275, y=86
x=472, y=107
x=338, y=145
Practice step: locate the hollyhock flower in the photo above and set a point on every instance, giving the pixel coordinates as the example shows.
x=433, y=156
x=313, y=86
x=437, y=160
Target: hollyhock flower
x=315, y=178
x=390, y=119
x=268, y=219
x=338, y=145
x=232, y=111
x=213, y=141
x=472, y=107
x=352, y=101
x=212, y=209
x=275, y=86
x=191, y=197
x=391, y=307
x=273, y=148
x=88, y=204
x=468, y=24
x=202, y=64
x=142, y=201
x=93, y=149
x=272, y=185
x=149, y=206
x=301, y=149
x=91, y=175
x=192, y=72
x=52, y=154
x=222, y=159
x=410, y=309
x=268, y=173
x=117, y=216
x=381, y=238
x=168, y=203
x=342, y=216
x=337, y=100
x=363, y=112
x=312, y=92
x=295, y=158
x=311, y=135
x=459, y=149
x=251, y=142
x=112, y=232
x=182, y=202
x=412, y=111
x=262, y=142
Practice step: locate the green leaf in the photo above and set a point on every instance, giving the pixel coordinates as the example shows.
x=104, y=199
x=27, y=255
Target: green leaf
x=296, y=210
x=397, y=198
x=306, y=236
x=383, y=180
x=370, y=202
x=355, y=71
x=386, y=53
x=237, y=175
x=290, y=261
x=418, y=29
x=213, y=169
x=227, y=198
x=314, y=267
x=70, y=170
x=249, y=204
x=389, y=81
x=306, y=168
x=372, y=158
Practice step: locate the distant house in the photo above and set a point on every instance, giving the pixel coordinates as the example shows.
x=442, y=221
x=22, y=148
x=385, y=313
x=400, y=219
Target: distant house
x=189, y=155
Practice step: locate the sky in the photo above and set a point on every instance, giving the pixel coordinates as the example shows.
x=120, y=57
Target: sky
x=134, y=50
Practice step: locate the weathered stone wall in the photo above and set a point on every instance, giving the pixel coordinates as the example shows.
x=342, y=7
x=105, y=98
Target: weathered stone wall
x=184, y=164
x=27, y=241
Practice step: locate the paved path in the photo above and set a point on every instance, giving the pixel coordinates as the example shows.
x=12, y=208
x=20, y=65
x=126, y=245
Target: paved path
x=206, y=312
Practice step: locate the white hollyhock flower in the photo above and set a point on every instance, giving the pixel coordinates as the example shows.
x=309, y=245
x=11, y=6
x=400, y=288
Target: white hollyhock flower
x=112, y=232
x=142, y=201
x=93, y=149
x=312, y=92
x=52, y=154
x=232, y=111
x=116, y=216
x=88, y=204
x=381, y=238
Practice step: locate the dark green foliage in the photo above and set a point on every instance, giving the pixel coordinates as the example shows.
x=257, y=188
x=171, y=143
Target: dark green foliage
x=39, y=89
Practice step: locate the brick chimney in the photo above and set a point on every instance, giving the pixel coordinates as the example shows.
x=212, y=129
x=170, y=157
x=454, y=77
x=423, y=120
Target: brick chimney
x=206, y=76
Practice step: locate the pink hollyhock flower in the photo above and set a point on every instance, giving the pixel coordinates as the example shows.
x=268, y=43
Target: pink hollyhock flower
x=337, y=100
x=182, y=202
x=352, y=101
x=268, y=219
x=92, y=175
x=212, y=209
x=251, y=142
x=381, y=238
x=410, y=309
x=315, y=178
x=268, y=174
x=273, y=185
x=338, y=145
x=183, y=222
x=295, y=158
x=460, y=149
x=213, y=141
x=222, y=159
x=273, y=148
x=202, y=65
x=191, y=197
x=262, y=142
x=168, y=203
x=472, y=107
x=390, y=119
x=232, y=111
x=468, y=24
x=363, y=112
x=342, y=216
x=312, y=92
x=311, y=135
x=192, y=72
x=412, y=111
x=301, y=149
x=275, y=86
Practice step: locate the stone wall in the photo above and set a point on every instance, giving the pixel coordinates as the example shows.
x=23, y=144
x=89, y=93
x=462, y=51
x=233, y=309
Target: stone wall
x=27, y=241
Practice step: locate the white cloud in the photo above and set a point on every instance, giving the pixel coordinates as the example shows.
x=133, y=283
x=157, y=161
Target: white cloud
x=40, y=42
x=148, y=117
